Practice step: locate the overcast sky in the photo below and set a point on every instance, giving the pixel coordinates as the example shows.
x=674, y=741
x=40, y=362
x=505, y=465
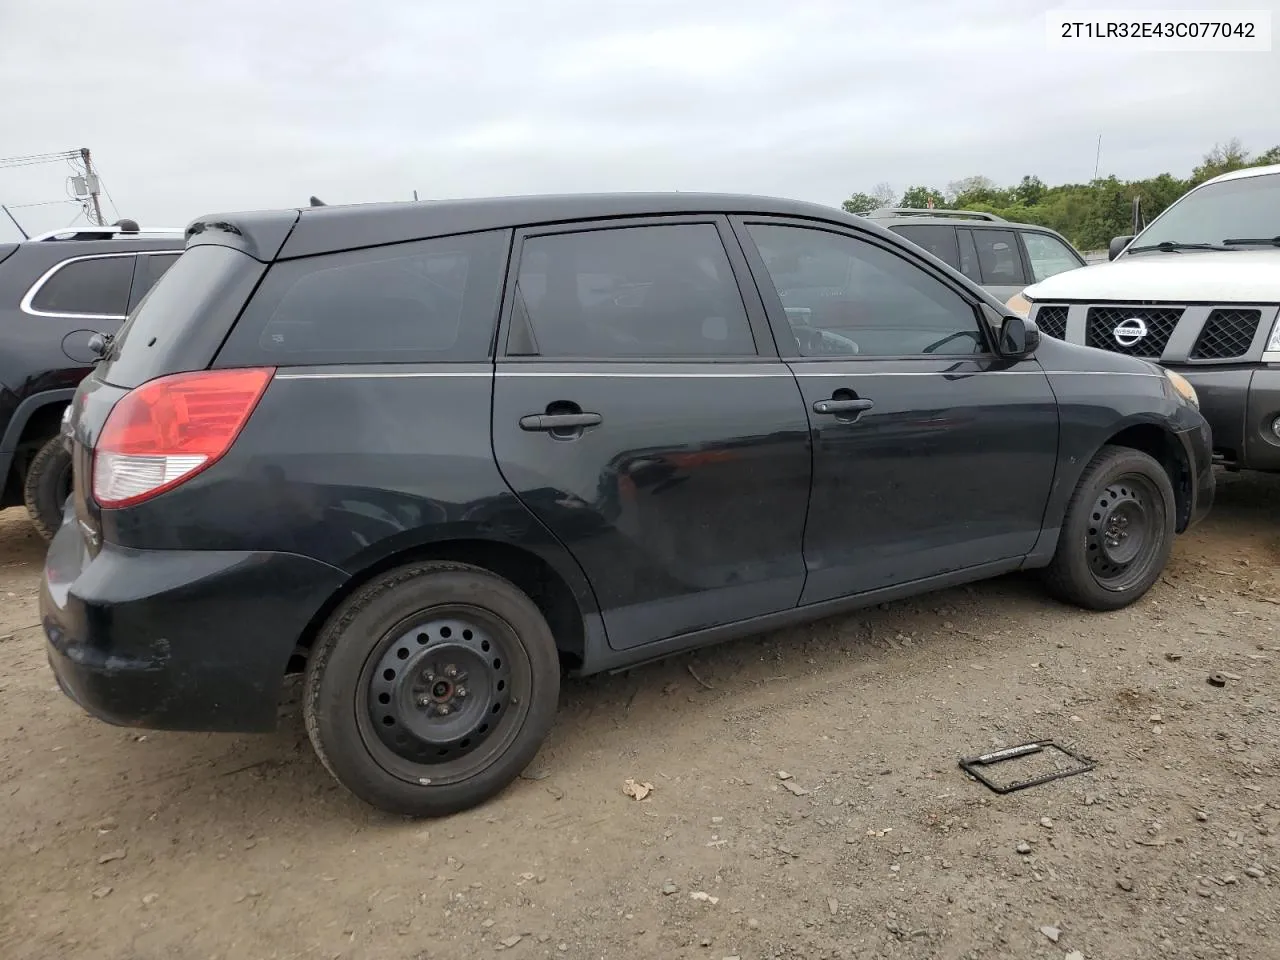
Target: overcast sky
x=197, y=106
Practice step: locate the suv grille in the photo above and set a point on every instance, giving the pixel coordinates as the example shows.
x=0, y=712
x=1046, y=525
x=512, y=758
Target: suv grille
x=1159, y=325
x=1052, y=321
x=1227, y=334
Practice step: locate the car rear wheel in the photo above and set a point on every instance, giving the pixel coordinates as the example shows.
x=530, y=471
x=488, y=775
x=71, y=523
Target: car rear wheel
x=47, y=486
x=1118, y=532
x=431, y=688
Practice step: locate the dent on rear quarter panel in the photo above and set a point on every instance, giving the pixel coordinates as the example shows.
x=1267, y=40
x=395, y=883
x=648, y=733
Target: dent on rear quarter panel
x=352, y=469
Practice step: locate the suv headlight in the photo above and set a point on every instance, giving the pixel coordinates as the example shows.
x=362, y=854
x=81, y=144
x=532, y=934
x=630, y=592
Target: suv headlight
x=1271, y=352
x=1183, y=388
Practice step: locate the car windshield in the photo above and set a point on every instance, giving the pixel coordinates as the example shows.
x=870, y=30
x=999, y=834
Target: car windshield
x=1247, y=207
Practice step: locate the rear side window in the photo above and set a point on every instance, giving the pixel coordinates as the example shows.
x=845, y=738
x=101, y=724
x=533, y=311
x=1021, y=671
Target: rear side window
x=425, y=301
x=92, y=287
x=940, y=240
x=998, y=257
x=660, y=292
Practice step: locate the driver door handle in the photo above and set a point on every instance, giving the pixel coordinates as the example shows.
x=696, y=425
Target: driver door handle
x=560, y=421
x=842, y=406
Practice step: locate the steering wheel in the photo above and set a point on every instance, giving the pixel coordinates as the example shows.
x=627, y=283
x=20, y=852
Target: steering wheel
x=814, y=342
x=971, y=334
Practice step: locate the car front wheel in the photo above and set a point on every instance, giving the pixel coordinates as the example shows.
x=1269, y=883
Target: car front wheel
x=1118, y=531
x=431, y=688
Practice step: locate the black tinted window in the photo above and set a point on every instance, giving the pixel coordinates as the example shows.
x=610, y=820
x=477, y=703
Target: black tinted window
x=940, y=240
x=844, y=296
x=998, y=256
x=99, y=285
x=968, y=256
x=150, y=268
x=431, y=300
x=660, y=291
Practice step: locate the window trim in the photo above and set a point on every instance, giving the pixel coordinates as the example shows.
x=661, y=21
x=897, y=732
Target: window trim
x=26, y=305
x=757, y=318
x=773, y=305
x=1026, y=280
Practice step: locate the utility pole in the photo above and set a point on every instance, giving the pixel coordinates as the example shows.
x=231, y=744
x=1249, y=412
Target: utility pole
x=91, y=184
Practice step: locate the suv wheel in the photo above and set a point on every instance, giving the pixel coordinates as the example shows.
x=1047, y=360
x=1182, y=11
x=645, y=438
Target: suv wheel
x=47, y=486
x=1118, y=532
x=431, y=688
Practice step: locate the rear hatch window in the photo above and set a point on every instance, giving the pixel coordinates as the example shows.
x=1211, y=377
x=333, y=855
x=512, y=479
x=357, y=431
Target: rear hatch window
x=182, y=321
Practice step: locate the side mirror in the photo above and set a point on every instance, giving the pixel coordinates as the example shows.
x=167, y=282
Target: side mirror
x=1018, y=337
x=1117, y=244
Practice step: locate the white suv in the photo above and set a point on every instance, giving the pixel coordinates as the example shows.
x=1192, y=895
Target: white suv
x=1199, y=292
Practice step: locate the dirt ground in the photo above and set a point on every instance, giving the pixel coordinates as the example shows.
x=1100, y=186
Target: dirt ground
x=124, y=845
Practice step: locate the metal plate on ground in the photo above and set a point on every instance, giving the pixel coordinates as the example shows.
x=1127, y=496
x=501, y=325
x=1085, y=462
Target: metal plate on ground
x=1042, y=761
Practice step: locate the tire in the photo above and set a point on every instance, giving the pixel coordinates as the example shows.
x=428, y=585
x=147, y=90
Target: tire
x=47, y=485
x=1117, y=534
x=431, y=688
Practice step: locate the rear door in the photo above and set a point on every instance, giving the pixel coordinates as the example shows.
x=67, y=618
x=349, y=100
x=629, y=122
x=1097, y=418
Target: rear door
x=641, y=412
x=931, y=454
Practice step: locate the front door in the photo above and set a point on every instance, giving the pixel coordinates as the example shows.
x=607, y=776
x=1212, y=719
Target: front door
x=931, y=454
x=639, y=415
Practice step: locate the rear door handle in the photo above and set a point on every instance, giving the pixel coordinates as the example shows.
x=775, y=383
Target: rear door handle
x=843, y=406
x=560, y=421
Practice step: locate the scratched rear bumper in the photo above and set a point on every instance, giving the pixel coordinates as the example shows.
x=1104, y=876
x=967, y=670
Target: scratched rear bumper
x=176, y=640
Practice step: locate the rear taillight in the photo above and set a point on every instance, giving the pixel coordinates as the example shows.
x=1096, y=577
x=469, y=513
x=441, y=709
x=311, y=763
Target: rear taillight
x=168, y=430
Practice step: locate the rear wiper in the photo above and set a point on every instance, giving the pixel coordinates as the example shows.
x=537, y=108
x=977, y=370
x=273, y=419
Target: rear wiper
x=1254, y=242
x=1170, y=246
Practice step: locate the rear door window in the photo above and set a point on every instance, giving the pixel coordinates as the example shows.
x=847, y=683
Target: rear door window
x=426, y=301
x=999, y=259
x=659, y=292
x=938, y=239
x=88, y=287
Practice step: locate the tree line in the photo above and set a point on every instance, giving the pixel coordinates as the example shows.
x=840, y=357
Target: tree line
x=1087, y=214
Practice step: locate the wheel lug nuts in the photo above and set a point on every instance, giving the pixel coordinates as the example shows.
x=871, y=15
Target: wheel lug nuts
x=424, y=702
x=451, y=671
x=461, y=691
x=443, y=709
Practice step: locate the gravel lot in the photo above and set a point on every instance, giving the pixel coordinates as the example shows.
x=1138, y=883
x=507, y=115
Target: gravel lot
x=120, y=844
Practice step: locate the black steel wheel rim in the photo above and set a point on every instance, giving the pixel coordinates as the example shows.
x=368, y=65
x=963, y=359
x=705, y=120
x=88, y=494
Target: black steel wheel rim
x=443, y=694
x=1126, y=532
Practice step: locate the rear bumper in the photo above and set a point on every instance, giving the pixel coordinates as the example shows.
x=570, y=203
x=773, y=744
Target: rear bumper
x=1241, y=404
x=177, y=640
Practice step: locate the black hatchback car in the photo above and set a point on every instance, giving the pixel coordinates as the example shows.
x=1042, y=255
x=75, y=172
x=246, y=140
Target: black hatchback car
x=434, y=454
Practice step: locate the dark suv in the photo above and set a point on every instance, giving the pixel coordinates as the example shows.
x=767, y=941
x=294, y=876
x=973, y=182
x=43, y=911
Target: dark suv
x=1002, y=256
x=56, y=291
x=432, y=453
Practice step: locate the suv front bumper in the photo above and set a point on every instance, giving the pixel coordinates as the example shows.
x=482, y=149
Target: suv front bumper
x=176, y=640
x=1241, y=404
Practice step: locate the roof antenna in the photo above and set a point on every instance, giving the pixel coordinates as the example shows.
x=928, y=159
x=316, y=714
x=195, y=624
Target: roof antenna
x=126, y=225
x=317, y=202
